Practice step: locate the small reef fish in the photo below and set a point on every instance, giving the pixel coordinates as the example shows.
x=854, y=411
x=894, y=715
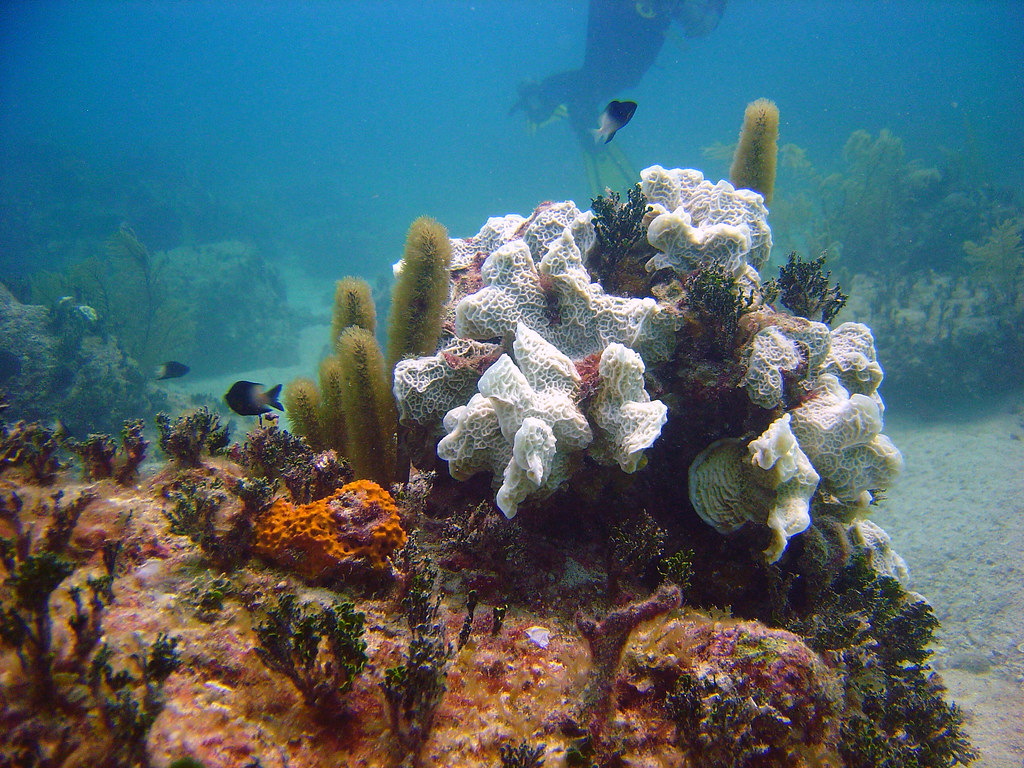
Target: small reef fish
x=246, y=398
x=614, y=117
x=172, y=369
x=540, y=635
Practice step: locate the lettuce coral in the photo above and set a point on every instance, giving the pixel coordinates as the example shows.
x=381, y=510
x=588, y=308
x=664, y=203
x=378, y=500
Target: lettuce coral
x=556, y=298
x=841, y=434
x=699, y=223
x=533, y=407
x=769, y=481
x=526, y=420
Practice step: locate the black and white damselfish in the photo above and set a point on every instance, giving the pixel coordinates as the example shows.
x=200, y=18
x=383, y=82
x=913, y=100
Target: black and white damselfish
x=246, y=398
x=614, y=117
x=172, y=369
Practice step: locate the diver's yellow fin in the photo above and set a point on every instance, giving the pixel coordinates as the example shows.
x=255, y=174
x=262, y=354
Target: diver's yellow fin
x=608, y=168
x=561, y=112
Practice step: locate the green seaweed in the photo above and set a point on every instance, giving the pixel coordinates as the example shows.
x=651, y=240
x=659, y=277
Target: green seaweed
x=619, y=225
x=715, y=298
x=188, y=436
x=882, y=634
x=128, y=716
x=803, y=288
x=290, y=639
x=522, y=755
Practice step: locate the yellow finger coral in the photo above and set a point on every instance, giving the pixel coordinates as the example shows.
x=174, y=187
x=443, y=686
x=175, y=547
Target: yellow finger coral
x=358, y=524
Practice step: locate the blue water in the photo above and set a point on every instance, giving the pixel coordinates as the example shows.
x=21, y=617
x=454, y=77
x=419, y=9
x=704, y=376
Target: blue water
x=381, y=111
x=319, y=130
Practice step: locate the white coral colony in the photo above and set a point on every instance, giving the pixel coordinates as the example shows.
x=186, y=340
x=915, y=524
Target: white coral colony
x=770, y=481
x=524, y=415
x=523, y=418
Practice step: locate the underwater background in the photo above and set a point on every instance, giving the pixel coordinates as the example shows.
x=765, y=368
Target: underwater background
x=250, y=154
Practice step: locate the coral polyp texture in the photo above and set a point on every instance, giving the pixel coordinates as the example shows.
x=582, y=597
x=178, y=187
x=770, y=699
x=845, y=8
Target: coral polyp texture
x=522, y=424
x=770, y=481
x=557, y=298
x=358, y=523
x=697, y=223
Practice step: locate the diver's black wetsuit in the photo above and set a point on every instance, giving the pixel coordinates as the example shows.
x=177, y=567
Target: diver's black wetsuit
x=622, y=44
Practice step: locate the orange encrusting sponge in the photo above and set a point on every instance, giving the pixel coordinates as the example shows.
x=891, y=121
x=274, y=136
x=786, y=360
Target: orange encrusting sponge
x=357, y=523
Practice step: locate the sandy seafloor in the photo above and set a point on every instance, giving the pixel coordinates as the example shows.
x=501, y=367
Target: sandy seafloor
x=956, y=515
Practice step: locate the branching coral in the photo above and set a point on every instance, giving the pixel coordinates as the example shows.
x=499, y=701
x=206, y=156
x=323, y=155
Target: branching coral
x=608, y=637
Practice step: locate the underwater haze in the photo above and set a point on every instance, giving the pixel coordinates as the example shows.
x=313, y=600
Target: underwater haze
x=371, y=113
x=182, y=183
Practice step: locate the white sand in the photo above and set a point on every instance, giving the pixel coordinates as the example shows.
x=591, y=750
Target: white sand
x=957, y=516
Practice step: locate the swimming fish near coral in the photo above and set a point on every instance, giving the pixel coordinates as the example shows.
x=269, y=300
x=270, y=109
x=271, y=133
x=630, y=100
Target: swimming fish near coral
x=614, y=117
x=172, y=369
x=246, y=398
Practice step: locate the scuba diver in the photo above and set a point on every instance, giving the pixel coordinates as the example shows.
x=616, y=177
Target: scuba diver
x=624, y=37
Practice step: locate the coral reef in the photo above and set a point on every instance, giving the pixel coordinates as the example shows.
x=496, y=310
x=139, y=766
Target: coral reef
x=66, y=365
x=928, y=255
x=162, y=306
x=289, y=644
x=129, y=291
x=614, y=426
x=101, y=457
